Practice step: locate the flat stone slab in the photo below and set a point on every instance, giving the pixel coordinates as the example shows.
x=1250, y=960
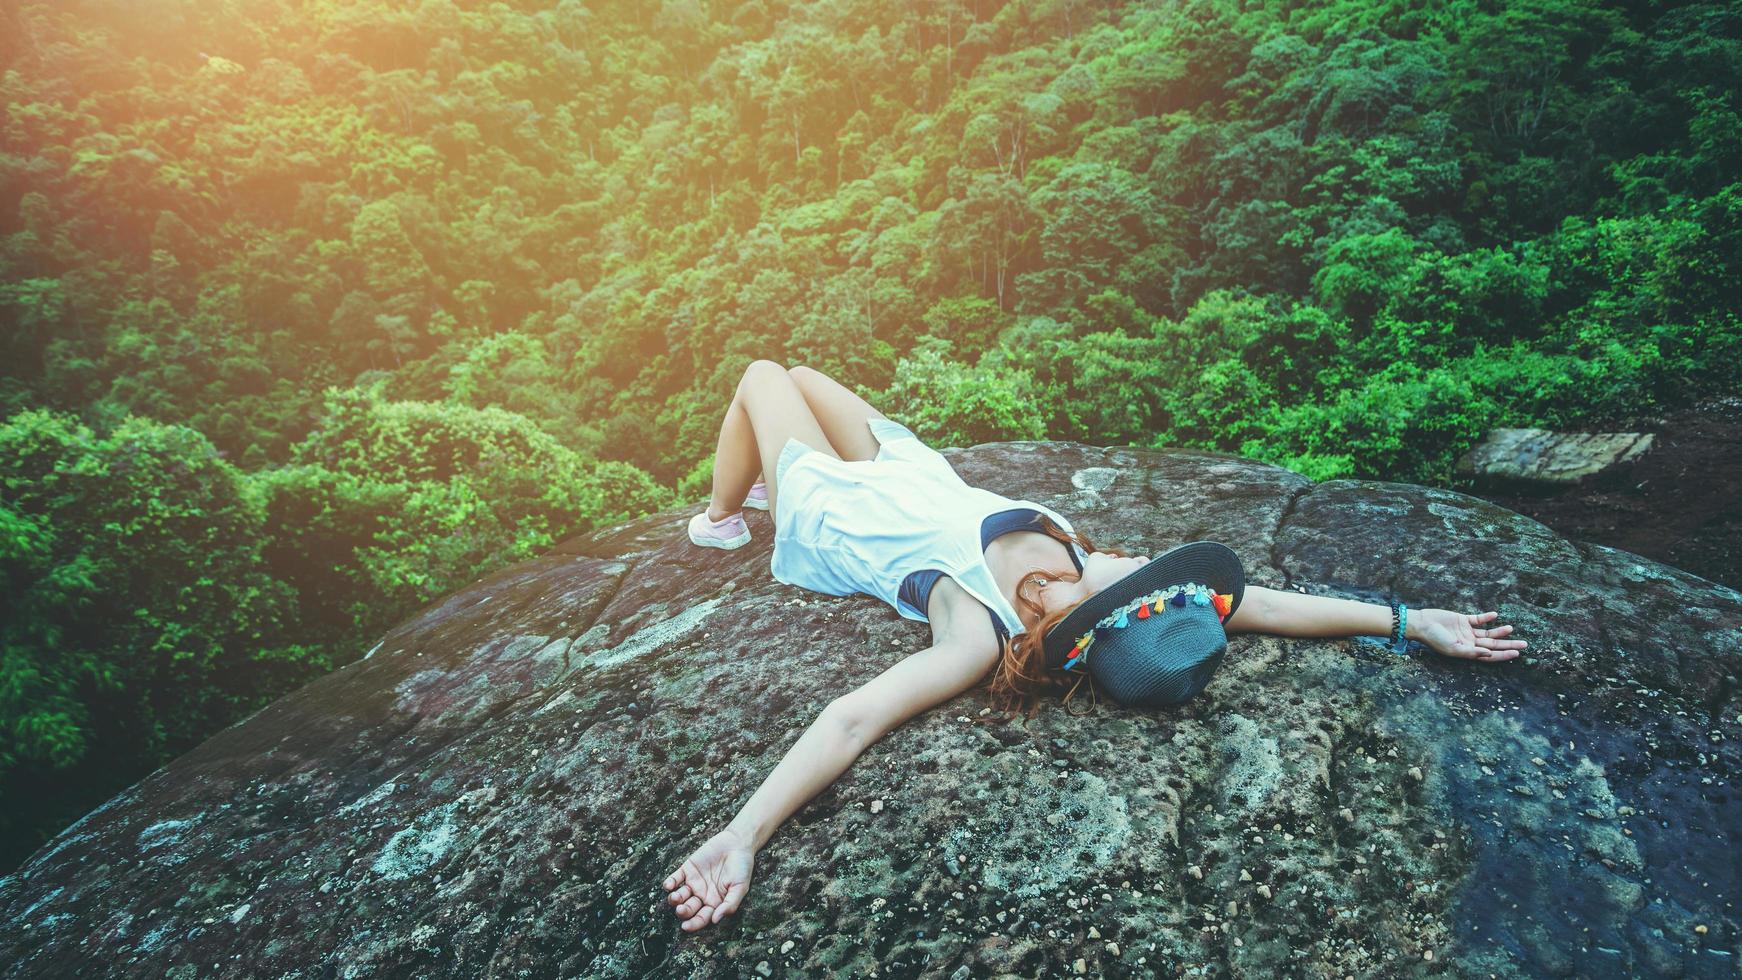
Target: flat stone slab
x=1547, y=458
x=499, y=789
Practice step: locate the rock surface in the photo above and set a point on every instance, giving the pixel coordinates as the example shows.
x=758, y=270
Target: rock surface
x=1512, y=457
x=1678, y=504
x=500, y=786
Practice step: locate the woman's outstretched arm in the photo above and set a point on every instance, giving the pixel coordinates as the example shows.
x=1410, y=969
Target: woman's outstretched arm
x=1466, y=635
x=712, y=881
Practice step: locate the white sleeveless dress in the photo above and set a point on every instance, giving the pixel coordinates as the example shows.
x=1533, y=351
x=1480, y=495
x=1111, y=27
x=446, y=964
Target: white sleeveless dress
x=846, y=527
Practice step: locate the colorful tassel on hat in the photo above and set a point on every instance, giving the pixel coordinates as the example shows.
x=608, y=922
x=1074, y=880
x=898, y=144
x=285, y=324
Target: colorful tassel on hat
x=1152, y=605
x=1224, y=603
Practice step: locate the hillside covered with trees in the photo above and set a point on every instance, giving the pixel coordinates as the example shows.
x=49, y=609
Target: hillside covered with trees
x=311, y=311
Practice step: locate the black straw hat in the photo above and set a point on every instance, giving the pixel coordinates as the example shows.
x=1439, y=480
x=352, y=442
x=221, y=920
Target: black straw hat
x=1155, y=636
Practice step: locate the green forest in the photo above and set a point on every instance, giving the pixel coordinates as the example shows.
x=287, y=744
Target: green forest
x=313, y=310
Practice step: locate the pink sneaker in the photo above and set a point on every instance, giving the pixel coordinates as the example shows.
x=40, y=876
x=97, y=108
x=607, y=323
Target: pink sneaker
x=728, y=534
x=758, y=498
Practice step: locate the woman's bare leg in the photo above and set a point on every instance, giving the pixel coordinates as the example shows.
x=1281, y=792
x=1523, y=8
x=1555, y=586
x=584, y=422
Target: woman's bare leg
x=735, y=450
x=766, y=410
x=841, y=413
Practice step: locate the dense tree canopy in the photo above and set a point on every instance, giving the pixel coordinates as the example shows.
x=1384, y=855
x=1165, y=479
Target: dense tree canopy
x=310, y=312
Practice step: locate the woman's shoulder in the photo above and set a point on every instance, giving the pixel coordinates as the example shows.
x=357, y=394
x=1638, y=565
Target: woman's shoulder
x=958, y=618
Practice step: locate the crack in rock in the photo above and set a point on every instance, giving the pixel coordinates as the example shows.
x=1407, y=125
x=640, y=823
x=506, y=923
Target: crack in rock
x=1276, y=560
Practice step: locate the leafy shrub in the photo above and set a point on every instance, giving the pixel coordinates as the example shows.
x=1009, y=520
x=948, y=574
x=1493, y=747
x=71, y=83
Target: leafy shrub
x=136, y=618
x=948, y=403
x=411, y=500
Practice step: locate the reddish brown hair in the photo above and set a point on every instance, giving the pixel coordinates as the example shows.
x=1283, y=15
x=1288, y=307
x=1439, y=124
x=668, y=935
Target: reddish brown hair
x=1022, y=679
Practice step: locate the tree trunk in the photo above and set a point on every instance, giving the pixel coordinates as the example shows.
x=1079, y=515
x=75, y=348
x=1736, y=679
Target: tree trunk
x=950, y=41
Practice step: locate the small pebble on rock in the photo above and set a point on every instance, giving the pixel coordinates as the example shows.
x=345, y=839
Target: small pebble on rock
x=1700, y=930
x=763, y=969
x=876, y=806
x=787, y=946
x=1081, y=965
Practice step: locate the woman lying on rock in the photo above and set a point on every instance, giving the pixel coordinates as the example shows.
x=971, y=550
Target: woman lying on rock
x=860, y=505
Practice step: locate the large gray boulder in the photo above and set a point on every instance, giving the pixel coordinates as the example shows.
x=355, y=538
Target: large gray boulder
x=500, y=786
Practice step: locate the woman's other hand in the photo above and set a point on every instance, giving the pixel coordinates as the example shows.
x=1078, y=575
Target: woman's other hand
x=711, y=883
x=1463, y=635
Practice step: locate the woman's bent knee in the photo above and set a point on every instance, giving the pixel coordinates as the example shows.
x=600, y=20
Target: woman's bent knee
x=761, y=371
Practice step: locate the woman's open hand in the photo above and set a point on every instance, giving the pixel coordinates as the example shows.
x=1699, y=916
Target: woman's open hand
x=1463, y=634
x=710, y=883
